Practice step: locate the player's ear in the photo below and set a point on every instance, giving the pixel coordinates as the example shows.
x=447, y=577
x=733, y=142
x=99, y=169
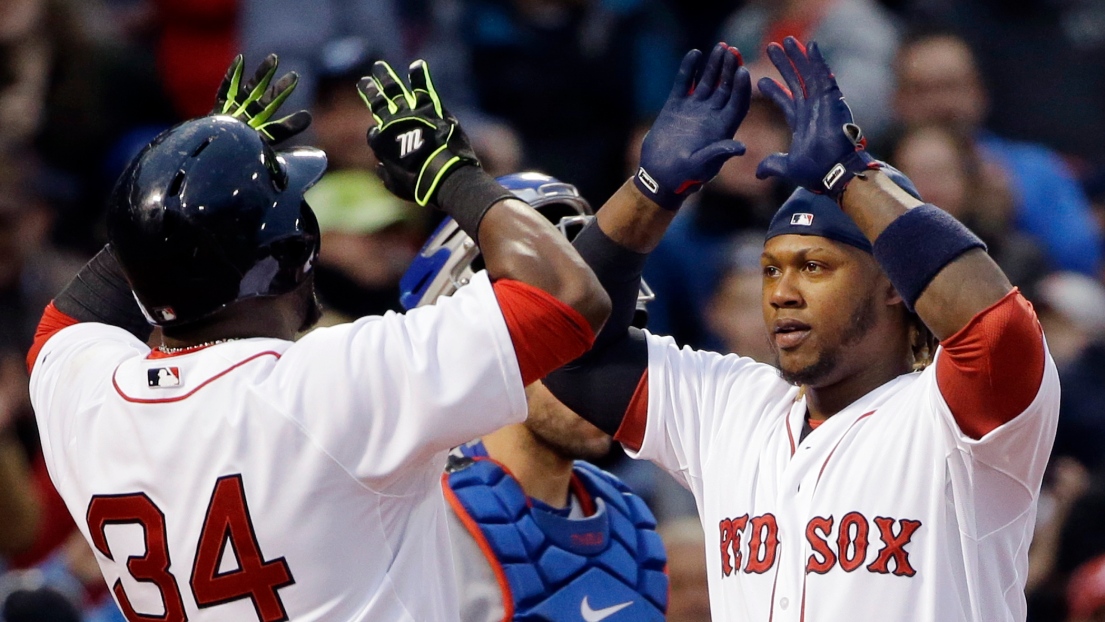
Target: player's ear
x=885, y=291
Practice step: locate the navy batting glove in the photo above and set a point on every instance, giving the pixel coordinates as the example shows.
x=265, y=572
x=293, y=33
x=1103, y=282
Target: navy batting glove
x=828, y=148
x=693, y=135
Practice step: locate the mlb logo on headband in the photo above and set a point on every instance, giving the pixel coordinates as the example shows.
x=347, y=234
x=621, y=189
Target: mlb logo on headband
x=803, y=219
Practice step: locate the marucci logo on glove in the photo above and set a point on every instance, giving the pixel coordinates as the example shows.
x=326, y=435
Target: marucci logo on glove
x=409, y=142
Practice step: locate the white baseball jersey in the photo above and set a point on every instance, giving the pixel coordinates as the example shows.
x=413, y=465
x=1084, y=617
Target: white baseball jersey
x=886, y=511
x=267, y=480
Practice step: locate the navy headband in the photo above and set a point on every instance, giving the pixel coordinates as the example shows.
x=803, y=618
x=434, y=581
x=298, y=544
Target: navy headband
x=806, y=213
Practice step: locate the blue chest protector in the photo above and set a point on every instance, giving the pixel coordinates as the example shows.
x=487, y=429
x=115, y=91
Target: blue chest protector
x=607, y=566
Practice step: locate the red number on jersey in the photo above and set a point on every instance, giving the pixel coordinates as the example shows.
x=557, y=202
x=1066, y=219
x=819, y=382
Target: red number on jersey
x=228, y=522
x=153, y=567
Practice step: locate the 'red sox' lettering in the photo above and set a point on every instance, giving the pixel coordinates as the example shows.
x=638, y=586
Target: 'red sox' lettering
x=844, y=544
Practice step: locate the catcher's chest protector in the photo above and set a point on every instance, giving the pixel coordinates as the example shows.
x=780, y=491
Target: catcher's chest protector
x=550, y=563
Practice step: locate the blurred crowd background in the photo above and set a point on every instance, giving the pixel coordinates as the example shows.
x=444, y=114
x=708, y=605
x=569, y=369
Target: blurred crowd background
x=995, y=109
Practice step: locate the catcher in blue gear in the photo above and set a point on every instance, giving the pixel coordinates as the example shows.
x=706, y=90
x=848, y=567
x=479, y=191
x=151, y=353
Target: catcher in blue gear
x=539, y=534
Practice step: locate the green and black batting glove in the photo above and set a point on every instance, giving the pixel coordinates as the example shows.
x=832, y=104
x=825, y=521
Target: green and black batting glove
x=417, y=141
x=255, y=101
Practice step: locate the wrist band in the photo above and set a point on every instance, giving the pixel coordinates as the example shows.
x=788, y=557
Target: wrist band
x=845, y=170
x=917, y=245
x=466, y=195
x=663, y=197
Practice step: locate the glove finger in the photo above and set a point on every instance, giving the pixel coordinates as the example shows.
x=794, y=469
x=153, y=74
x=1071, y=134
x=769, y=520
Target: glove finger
x=712, y=157
x=800, y=57
x=786, y=69
x=258, y=84
x=423, y=87
x=824, y=74
x=781, y=96
x=229, y=87
x=741, y=98
x=370, y=94
x=774, y=165
x=729, y=66
x=684, y=80
x=392, y=87
x=275, y=96
x=283, y=129
x=711, y=73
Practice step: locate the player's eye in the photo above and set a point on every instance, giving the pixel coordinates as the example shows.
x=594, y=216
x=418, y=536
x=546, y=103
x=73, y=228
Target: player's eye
x=812, y=266
x=770, y=272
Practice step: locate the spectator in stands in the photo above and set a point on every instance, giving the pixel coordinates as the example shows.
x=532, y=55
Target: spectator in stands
x=734, y=312
x=1044, y=60
x=1086, y=592
x=368, y=235
x=938, y=82
x=571, y=77
x=1072, y=311
x=296, y=30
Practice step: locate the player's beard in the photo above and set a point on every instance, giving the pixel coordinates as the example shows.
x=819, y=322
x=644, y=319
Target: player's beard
x=861, y=321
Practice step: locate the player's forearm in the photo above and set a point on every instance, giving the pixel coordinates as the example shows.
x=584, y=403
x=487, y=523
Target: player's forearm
x=518, y=243
x=960, y=290
x=632, y=220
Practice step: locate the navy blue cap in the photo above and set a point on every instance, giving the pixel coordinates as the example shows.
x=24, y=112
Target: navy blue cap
x=806, y=213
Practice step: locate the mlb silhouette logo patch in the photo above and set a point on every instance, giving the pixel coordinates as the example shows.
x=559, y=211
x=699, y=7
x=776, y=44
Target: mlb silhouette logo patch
x=163, y=377
x=803, y=220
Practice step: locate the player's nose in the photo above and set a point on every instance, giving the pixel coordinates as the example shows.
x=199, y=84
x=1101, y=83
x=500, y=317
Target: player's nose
x=783, y=293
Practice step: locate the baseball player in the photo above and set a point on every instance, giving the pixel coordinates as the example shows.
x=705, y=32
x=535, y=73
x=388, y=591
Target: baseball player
x=846, y=485
x=591, y=548
x=231, y=474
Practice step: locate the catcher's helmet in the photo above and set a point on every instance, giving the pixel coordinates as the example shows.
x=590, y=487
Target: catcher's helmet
x=450, y=257
x=208, y=214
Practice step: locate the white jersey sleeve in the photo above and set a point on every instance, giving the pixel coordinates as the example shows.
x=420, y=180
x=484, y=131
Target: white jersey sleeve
x=72, y=373
x=1008, y=462
x=689, y=392
x=386, y=391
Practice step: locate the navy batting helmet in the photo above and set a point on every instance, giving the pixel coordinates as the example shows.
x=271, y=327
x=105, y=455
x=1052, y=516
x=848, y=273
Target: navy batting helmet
x=450, y=257
x=208, y=214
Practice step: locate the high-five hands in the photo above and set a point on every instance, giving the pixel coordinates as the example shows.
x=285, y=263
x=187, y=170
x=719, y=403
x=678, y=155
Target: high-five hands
x=255, y=102
x=415, y=138
x=693, y=135
x=828, y=148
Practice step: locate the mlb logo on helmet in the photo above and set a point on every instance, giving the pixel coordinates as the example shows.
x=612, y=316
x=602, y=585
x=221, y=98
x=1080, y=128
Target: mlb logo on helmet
x=802, y=219
x=163, y=377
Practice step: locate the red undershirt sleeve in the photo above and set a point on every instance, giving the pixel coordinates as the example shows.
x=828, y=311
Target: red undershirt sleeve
x=52, y=321
x=546, y=332
x=991, y=370
x=631, y=432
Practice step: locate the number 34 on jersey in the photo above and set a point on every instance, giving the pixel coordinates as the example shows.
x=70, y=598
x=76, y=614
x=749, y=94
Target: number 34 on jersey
x=227, y=523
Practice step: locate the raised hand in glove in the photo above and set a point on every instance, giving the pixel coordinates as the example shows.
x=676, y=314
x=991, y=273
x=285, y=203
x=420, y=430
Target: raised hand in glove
x=693, y=135
x=419, y=144
x=828, y=148
x=255, y=102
